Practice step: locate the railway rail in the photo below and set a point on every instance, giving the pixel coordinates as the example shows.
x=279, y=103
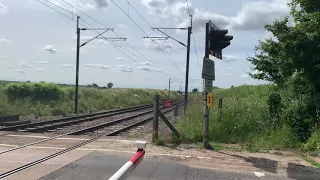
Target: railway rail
x=93, y=128
x=125, y=128
x=72, y=120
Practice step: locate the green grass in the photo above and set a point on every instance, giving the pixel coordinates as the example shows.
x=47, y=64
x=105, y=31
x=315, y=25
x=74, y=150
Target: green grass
x=312, y=162
x=89, y=99
x=245, y=120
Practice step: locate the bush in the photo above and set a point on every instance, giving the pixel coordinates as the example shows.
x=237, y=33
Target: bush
x=34, y=91
x=313, y=143
x=44, y=99
x=245, y=119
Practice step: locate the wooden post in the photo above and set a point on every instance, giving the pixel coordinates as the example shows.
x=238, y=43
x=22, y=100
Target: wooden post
x=175, y=110
x=155, y=118
x=220, y=108
x=171, y=127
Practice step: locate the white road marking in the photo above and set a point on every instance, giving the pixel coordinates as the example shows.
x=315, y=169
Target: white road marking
x=259, y=174
x=69, y=138
x=108, y=150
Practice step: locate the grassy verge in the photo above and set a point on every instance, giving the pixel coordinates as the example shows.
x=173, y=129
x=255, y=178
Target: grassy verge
x=245, y=121
x=89, y=99
x=312, y=162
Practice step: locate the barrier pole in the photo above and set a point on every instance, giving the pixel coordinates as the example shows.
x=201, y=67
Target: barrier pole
x=124, y=172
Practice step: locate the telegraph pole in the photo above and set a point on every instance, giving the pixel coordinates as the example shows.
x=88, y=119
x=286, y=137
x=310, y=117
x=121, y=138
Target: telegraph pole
x=188, y=55
x=206, y=109
x=77, y=68
x=76, y=100
x=187, y=70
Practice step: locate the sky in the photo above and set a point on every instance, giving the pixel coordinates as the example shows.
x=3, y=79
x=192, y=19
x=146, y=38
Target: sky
x=37, y=43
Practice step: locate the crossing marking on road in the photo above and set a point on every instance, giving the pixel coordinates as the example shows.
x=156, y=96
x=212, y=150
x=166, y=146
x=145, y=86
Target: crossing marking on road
x=259, y=174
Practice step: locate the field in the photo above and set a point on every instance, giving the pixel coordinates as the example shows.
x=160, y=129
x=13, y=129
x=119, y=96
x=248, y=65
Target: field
x=245, y=120
x=44, y=99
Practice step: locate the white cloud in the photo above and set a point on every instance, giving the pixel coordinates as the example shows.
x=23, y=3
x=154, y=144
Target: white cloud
x=9, y=67
x=102, y=41
x=67, y=65
x=256, y=72
x=83, y=5
x=157, y=70
x=119, y=59
x=23, y=61
x=39, y=70
x=229, y=68
x=50, y=49
x=3, y=8
x=26, y=65
x=149, y=68
x=2, y=57
x=122, y=26
x=145, y=68
x=157, y=45
x=98, y=66
x=145, y=63
x=245, y=76
x=230, y=58
x=252, y=17
x=21, y=71
x=42, y=62
x=4, y=40
x=125, y=68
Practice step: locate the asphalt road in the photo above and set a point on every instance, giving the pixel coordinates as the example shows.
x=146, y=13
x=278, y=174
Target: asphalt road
x=102, y=165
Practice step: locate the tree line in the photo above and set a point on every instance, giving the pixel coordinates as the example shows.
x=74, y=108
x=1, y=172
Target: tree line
x=291, y=61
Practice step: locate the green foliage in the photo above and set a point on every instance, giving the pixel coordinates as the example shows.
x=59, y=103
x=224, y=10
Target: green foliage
x=42, y=99
x=312, y=161
x=34, y=91
x=292, y=62
x=194, y=90
x=245, y=119
x=313, y=143
x=109, y=85
x=160, y=141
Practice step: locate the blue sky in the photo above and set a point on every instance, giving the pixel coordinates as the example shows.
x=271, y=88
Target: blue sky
x=38, y=44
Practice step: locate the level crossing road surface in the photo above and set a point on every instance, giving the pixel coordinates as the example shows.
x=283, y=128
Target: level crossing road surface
x=102, y=165
x=102, y=158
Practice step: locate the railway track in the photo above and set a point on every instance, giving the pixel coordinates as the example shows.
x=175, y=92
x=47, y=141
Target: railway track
x=115, y=132
x=96, y=127
x=72, y=120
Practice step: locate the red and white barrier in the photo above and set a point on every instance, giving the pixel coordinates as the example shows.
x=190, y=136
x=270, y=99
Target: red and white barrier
x=125, y=171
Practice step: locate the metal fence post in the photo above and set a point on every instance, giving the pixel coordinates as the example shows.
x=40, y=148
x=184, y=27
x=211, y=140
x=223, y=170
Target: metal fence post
x=175, y=110
x=155, y=118
x=220, y=108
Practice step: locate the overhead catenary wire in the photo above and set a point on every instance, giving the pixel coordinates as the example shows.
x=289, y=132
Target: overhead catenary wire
x=188, y=7
x=91, y=28
x=112, y=31
x=147, y=24
x=196, y=50
x=194, y=42
x=59, y=11
x=117, y=46
x=172, y=61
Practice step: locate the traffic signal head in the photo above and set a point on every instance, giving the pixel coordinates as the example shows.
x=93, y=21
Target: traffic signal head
x=218, y=41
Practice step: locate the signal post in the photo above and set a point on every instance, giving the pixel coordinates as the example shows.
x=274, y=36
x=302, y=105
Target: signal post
x=215, y=40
